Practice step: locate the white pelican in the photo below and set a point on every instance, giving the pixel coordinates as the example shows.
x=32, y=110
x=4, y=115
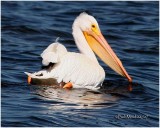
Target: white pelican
x=80, y=70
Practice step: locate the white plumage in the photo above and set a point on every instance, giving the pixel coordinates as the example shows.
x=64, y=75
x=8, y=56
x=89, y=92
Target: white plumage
x=53, y=53
x=81, y=69
x=72, y=67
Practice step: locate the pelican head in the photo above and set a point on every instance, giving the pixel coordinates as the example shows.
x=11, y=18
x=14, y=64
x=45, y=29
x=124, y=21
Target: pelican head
x=87, y=26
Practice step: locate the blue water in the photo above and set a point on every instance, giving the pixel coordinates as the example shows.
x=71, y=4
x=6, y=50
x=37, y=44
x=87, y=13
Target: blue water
x=132, y=30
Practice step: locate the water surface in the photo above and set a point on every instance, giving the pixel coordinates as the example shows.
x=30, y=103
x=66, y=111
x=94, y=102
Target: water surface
x=131, y=28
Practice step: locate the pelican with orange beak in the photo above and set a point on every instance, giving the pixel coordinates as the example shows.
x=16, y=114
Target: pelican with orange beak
x=80, y=70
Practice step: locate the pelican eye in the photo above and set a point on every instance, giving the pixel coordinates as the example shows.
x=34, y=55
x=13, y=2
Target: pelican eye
x=95, y=29
x=93, y=26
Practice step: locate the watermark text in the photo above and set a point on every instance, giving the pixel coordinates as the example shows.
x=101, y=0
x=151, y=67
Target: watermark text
x=128, y=116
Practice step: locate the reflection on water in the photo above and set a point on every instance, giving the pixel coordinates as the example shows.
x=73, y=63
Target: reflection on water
x=80, y=97
x=106, y=96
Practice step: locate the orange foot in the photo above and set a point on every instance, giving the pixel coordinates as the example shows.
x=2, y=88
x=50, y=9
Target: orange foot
x=68, y=85
x=29, y=79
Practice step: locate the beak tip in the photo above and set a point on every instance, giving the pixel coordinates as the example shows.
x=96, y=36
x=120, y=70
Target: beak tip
x=130, y=80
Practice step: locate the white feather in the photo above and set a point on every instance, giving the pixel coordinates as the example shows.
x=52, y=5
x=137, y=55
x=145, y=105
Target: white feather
x=79, y=70
x=75, y=68
x=53, y=53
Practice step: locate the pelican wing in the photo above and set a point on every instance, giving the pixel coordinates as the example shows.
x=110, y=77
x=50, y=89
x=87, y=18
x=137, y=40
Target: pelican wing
x=79, y=70
x=76, y=68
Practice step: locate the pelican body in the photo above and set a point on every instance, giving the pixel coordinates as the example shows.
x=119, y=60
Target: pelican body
x=81, y=70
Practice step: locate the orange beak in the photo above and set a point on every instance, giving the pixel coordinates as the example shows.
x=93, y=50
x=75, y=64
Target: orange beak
x=100, y=46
